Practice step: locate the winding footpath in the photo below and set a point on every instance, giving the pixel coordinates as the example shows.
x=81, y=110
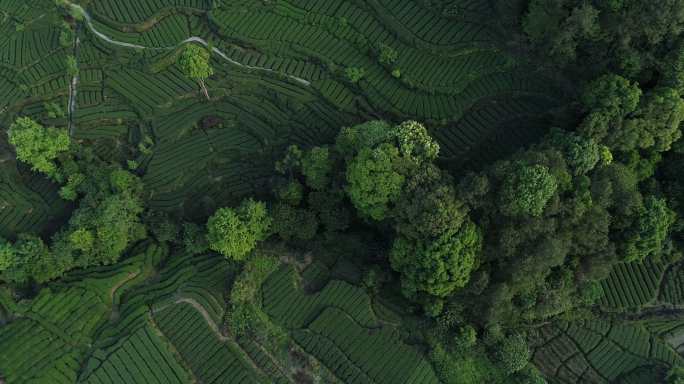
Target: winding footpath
x=193, y=39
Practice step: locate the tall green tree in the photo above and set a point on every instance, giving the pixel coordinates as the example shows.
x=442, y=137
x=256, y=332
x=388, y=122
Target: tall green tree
x=39, y=146
x=527, y=189
x=437, y=267
x=235, y=232
x=195, y=63
x=647, y=236
x=374, y=180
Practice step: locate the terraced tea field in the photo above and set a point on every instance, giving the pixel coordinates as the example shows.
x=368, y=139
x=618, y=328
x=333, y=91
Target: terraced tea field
x=167, y=309
x=280, y=78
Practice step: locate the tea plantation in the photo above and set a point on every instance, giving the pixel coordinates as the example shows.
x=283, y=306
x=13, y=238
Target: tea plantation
x=341, y=191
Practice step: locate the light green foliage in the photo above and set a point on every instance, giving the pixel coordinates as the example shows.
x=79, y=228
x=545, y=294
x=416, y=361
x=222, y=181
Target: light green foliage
x=122, y=181
x=66, y=35
x=54, y=110
x=415, y=143
x=650, y=231
x=374, y=181
x=354, y=74
x=194, y=61
x=606, y=155
x=69, y=191
x=115, y=222
x=82, y=240
x=513, y=353
x=72, y=66
x=387, y=54
x=527, y=189
x=437, y=267
x=294, y=223
x=145, y=145
x=316, y=167
x=38, y=146
x=461, y=368
x=235, y=232
x=675, y=375
x=109, y=212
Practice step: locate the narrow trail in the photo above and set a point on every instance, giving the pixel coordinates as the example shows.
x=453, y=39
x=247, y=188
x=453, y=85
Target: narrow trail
x=210, y=322
x=192, y=39
x=73, y=90
x=214, y=328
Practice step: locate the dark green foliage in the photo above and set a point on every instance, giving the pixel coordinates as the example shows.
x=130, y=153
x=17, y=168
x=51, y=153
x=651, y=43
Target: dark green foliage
x=6, y=254
x=164, y=228
x=330, y=207
x=194, y=239
x=513, y=353
x=291, y=162
x=581, y=153
x=625, y=36
x=609, y=99
x=428, y=206
x=294, y=223
x=351, y=140
x=316, y=168
x=648, y=236
x=291, y=192
x=235, y=232
x=437, y=267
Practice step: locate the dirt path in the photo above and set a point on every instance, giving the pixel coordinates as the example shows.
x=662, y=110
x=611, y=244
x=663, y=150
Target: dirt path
x=192, y=39
x=206, y=316
x=73, y=89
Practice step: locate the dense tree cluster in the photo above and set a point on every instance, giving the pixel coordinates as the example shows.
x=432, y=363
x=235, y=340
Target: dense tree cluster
x=486, y=254
x=387, y=176
x=103, y=225
x=38, y=146
x=625, y=36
